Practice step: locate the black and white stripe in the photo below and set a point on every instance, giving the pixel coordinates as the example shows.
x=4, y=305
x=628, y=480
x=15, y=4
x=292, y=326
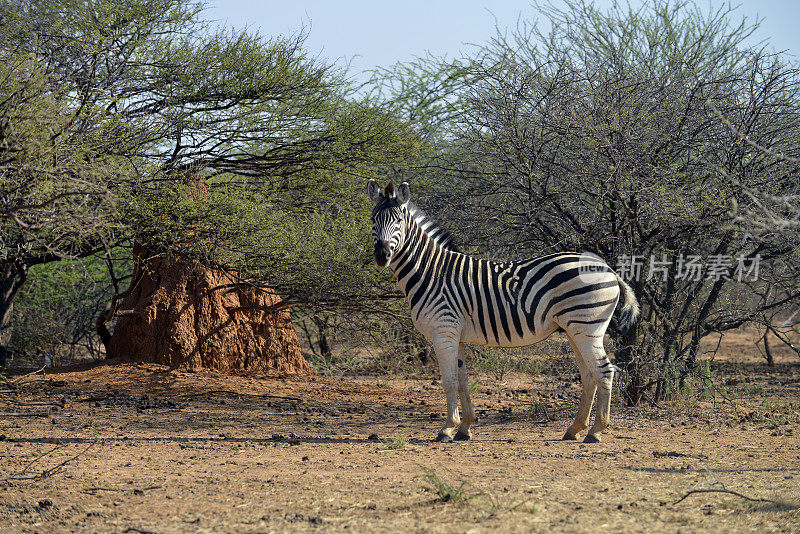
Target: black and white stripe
x=459, y=299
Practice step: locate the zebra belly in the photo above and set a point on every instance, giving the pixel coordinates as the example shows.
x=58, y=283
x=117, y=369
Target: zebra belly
x=475, y=336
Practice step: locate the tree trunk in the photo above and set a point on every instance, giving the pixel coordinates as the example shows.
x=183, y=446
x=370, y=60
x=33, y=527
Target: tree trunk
x=12, y=278
x=102, y=328
x=768, y=351
x=631, y=368
x=322, y=337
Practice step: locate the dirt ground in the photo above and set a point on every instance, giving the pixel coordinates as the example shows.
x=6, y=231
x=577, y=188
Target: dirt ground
x=139, y=448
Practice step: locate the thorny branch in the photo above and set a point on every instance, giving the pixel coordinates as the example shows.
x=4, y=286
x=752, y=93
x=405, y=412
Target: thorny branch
x=49, y=471
x=731, y=492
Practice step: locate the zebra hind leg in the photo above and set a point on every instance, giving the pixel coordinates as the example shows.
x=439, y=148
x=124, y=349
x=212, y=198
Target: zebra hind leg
x=587, y=397
x=468, y=415
x=604, y=376
x=600, y=373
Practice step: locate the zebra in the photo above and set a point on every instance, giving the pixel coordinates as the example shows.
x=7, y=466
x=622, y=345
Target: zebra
x=457, y=299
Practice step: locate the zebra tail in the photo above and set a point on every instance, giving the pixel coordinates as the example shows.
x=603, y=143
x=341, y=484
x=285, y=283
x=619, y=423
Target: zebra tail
x=629, y=313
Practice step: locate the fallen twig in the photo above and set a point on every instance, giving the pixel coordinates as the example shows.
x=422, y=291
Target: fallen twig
x=24, y=414
x=95, y=489
x=40, y=370
x=691, y=492
x=53, y=470
x=19, y=476
x=20, y=403
x=235, y=394
x=47, y=472
x=650, y=399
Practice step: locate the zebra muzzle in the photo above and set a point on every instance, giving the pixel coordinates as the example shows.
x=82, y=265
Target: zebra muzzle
x=381, y=253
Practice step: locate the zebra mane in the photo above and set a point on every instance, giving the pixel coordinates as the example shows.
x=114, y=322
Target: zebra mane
x=432, y=229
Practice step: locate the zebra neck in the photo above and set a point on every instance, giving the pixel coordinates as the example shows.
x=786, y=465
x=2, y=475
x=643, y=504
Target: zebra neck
x=417, y=259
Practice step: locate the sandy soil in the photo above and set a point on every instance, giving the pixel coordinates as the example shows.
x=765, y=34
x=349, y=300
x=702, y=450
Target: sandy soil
x=142, y=448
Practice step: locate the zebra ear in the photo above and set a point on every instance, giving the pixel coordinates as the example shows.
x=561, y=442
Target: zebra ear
x=373, y=191
x=404, y=193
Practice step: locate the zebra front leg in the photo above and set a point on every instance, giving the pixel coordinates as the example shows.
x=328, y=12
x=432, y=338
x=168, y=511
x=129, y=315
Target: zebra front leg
x=464, y=432
x=447, y=354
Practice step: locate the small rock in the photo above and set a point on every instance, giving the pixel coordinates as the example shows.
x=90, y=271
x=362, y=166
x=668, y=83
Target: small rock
x=373, y=437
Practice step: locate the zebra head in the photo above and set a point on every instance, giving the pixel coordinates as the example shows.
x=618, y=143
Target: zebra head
x=388, y=219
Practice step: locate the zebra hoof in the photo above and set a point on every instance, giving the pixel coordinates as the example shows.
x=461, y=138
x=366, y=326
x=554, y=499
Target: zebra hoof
x=569, y=437
x=443, y=438
x=462, y=436
x=591, y=438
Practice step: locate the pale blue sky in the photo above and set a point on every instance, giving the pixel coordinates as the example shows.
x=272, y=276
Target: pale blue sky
x=381, y=33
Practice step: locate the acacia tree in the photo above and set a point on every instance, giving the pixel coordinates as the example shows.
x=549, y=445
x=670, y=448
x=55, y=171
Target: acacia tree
x=54, y=197
x=137, y=122
x=616, y=133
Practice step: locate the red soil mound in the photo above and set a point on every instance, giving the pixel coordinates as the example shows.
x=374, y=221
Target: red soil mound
x=185, y=315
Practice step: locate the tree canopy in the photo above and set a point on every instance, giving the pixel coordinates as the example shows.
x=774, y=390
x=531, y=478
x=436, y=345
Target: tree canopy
x=636, y=134
x=139, y=122
x=654, y=135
